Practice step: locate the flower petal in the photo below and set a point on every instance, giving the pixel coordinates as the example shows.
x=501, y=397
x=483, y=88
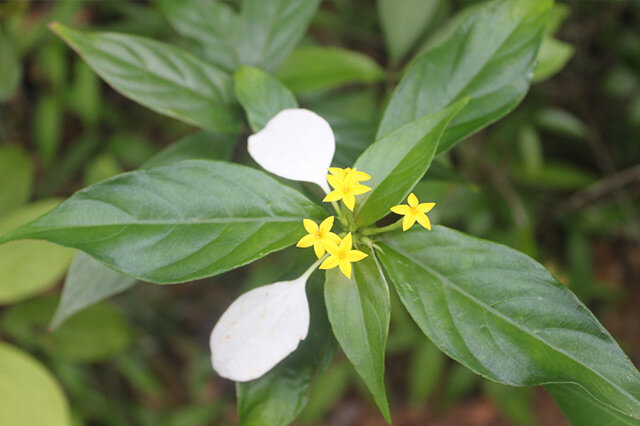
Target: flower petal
x=424, y=221
x=296, y=144
x=412, y=200
x=401, y=209
x=408, y=222
x=349, y=201
x=327, y=224
x=425, y=207
x=361, y=175
x=310, y=225
x=345, y=267
x=333, y=196
x=355, y=255
x=360, y=189
x=318, y=248
x=306, y=241
x=346, y=242
x=330, y=262
x=332, y=238
x=260, y=329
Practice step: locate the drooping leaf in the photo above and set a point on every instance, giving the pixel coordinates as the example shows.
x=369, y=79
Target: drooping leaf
x=25, y=382
x=88, y=282
x=161, y=77
x=261, y=96
x=28, y=267
x=312, y=68
x=490, y=57
x=16, y=174
x=505, y=317
x=552, y=57
x=398, y=161
x=203, y=145
x=270, y=29
x=179, y=222
x=10, y=68
x=359, y=313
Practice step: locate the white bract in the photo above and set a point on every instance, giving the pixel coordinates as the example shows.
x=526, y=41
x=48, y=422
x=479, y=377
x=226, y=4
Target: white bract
x=296, y=144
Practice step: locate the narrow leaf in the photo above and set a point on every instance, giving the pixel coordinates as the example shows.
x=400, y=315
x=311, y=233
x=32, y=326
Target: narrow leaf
x=16, y=173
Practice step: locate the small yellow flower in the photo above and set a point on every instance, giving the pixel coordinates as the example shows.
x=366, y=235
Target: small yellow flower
x=414, y=212
x=342, y=256
x=346, y=185
x=319, y=236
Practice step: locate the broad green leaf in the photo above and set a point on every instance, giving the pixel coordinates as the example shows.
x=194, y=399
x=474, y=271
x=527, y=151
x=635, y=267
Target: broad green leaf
x=505, y=317
x=490, y=57
x=179, y=222
x=312, y=68
x=92, y=335
x=16, y=175
x=29, y=267
x=261, y=96
x=580, y=408
x=201, y=145
x=270, y=29
x=278, y=397
x=88, y=282
x=159, y=76
x=30, y=395
x=210, y=22
x=403, y=22
x=10, y=68
x=552, y=57
x=359, y=311
x=398, y=161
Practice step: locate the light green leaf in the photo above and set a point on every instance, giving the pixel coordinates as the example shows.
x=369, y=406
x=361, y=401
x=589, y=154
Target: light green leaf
x=16, y=175
x=179, y=222
x=159, y=76
x=312, y=68
x=48, y=128
x=29, y=393
x=561, y=122
x=398, y=161
x=490, y=57
x=88, y=282
x=270, y=29
x=280, y=395
x=261, y=96
x=10, y=68
x=505, y=317
x=359, y=311
x=403, y=22
x=29, y=267
x=102, y=167
x=552, y=57
x=201, y=145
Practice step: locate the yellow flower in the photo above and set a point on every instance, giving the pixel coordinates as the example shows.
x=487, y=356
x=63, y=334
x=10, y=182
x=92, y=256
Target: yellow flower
x=346, y=185
x=319, y=236
x=342, y=256
x=414, y=212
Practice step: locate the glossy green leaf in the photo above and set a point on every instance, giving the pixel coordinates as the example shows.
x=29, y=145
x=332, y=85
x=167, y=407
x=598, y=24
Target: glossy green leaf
x=88, y=282
x=312, y=68
x=201, y=145
x=261, y=96
x=359, y=313
x=30, y=395
x=552, y=57
x=16, y=174
x=398, y=161
x=29, y=267
x=270, y=29
x=180, y=222
x=504, y=316
x=10, y=68
x=210, y=22
x=490, y=57
x=280, y=395
x=403, y=22
x=159, y=76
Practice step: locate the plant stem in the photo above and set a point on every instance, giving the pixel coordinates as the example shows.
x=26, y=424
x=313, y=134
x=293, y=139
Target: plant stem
x=388, y=228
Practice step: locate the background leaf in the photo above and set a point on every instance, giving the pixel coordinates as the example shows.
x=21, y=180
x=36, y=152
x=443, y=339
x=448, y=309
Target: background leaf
x=203, y=145
x=552, y=57
x=16, y=173
x=10, y=68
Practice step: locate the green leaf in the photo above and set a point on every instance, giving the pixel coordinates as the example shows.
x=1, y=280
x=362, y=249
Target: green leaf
x=270, y=29
x=359, y=311
x=398, y=161
x=29, y=267
x=159, y=76
x=516, y=404
x=29, y=393
x=505, y=317
x=102, y=167
x=10, y=68
x=280, y=395
x=180, y=222
x=261, y=96
x=561, y=122
x=88, y=282
x=201, y=145
x=490, y=57
x=424, y=372
x=327, y=390
x=16, y=174
x=403, y=22
x=555, y=175
x=580, y=408
x=312, y=68
x=48, y=128
x=552, y=57
x=209, y=22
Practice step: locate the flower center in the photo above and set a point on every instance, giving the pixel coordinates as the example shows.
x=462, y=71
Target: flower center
x=319, y=235
x=414, y=210
x=342, y=255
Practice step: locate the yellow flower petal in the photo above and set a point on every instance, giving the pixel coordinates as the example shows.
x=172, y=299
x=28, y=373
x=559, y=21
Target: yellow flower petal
x=412, y=200
x=333, y=249
x=408, y=222
x=346, y=242
x=349, y=201
x=331, y=238
x=333, y=196
x=306, y=241
x=326, y=224
x=425, y=207
x=338, y=172
x=401, y=209
x=330, y=262
x=424, y=221
x=360, y=175
x=318, y=248
x=345, y=267
x=310, y=226
x=335, y=181
x=355, y=255
x=360, y=189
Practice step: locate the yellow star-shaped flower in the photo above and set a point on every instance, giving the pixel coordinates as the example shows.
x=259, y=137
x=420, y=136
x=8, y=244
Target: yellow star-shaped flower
x=413, y=212
x=319, y=236
x=342, y=256
x=346, y=185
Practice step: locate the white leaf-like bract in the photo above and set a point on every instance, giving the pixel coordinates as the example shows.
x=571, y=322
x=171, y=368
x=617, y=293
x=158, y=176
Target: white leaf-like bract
x=296, y=144
x=260, y=329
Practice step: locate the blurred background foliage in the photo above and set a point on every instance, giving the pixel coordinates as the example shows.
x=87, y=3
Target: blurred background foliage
x=558, y=179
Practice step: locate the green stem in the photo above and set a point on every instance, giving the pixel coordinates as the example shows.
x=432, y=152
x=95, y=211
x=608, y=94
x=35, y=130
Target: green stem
x=388, y=228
